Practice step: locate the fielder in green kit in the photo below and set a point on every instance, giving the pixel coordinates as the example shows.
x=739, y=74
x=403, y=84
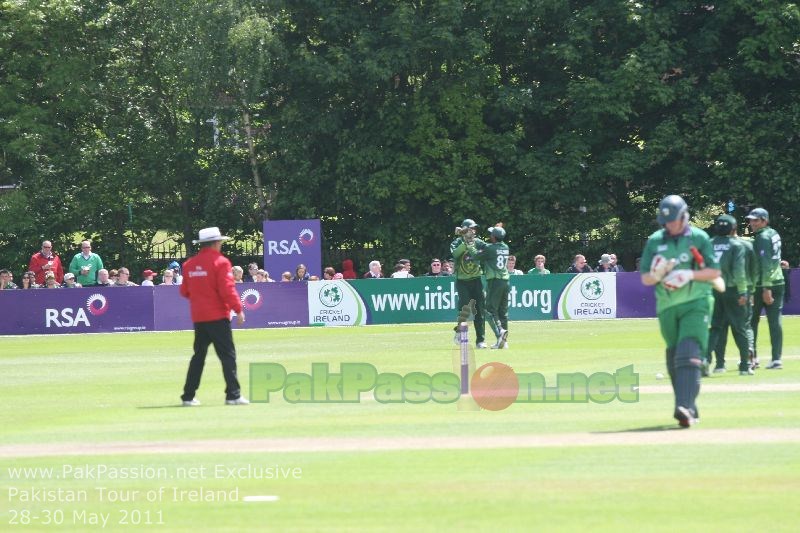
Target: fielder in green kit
x=468, y=276
x=669, y=260
x=494, y=261
x=732, y=306
x=769, y=283
x=751, y=263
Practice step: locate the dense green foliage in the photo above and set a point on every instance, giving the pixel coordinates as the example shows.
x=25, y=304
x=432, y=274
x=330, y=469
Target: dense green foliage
x=393, y=120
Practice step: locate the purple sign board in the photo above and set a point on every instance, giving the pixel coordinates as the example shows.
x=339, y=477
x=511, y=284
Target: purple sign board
x=634, y=300
x=288, y=243
x=81, y=310
x=161, y=308
x=266, y=305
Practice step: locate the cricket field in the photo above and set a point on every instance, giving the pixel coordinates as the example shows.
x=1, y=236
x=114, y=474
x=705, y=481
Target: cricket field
x=94, y=437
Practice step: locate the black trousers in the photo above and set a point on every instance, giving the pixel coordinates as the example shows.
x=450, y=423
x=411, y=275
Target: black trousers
x=219, y=333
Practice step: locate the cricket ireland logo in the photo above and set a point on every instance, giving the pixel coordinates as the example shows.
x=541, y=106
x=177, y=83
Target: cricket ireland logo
x=330, y=295
x=592, y=288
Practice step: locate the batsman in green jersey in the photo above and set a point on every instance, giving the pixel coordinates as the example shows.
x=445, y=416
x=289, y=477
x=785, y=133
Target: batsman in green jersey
x=468, y=276
x=676, y=260
x=732, y=306
x=769, y=282
x=494, y=260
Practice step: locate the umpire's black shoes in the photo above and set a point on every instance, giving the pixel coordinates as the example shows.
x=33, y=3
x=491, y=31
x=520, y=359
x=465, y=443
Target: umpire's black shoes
x=685, y=416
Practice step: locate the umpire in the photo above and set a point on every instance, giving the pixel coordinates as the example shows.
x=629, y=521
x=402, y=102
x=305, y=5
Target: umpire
x=732, y=306
x=208, y=284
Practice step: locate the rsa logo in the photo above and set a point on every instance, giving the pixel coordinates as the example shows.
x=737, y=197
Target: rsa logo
x=68, y=317
x=287, y=247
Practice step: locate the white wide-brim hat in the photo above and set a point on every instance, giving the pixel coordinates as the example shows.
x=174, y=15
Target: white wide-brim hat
x=210, y=235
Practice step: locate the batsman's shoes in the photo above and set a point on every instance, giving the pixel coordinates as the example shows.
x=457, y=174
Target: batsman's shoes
x=685, y=417
x=481, y=345
x=775, y=364
x=191, y=403
x=503, y=340
x=748, y=372
x=241, y=400
x=720, y=370
x=755, y=363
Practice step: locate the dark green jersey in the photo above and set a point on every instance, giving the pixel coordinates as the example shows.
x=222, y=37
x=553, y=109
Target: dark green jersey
x=494, y=258
x=730, y=254
x=751, y=263
x=465, y=266
x=767, y=246
x=679, y=248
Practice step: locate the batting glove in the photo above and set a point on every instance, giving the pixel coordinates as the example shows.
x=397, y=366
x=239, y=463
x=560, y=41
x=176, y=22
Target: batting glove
x=677, y=279
x=661, y=266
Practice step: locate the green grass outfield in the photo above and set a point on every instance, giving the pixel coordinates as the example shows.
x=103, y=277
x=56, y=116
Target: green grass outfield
x=81, y=403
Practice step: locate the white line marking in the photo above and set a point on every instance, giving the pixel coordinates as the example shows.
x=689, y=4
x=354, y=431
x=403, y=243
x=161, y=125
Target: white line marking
x=261, y=498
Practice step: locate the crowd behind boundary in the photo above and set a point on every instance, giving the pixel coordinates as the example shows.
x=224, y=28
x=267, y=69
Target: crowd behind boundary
x=86, y=269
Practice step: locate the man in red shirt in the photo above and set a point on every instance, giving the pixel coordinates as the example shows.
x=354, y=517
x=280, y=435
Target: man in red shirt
x=46, y=261
x=208, y=284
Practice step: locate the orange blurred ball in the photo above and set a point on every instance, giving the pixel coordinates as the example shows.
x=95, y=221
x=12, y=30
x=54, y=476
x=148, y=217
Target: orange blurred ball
x=494, y=386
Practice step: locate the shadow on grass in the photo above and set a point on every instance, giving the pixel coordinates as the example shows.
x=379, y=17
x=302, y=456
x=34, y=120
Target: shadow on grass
x=664, y=427
x=172, y=406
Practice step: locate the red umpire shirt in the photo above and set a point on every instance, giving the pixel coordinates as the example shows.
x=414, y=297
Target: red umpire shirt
x=208, y=283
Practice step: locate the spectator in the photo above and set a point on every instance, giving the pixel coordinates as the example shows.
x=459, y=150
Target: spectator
x=238, y=274
x=124, y=278
x=29, y=281
x=313, y=278
x=300, y=273
x=103, y=279
x=374, y=271
x=637, y=263
x=512, y=263
x=338, y=275
x=252, y=271
x=448, y=267
x=167, y=277
x=604, y=265
x=85, y=265
x=261, y=275
x=6, y=280
x=50, y=281
x=328, y=273
x=148, y=276
x=435, y=269
x=69, y=281
x=286, y=276
x=538, y=265
x=579, y=266
x=406, y=265
x=113, y=276
x=45, y=261
x=176, y=268
x=400, y=271
x=347, y=269
x=617, y=267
